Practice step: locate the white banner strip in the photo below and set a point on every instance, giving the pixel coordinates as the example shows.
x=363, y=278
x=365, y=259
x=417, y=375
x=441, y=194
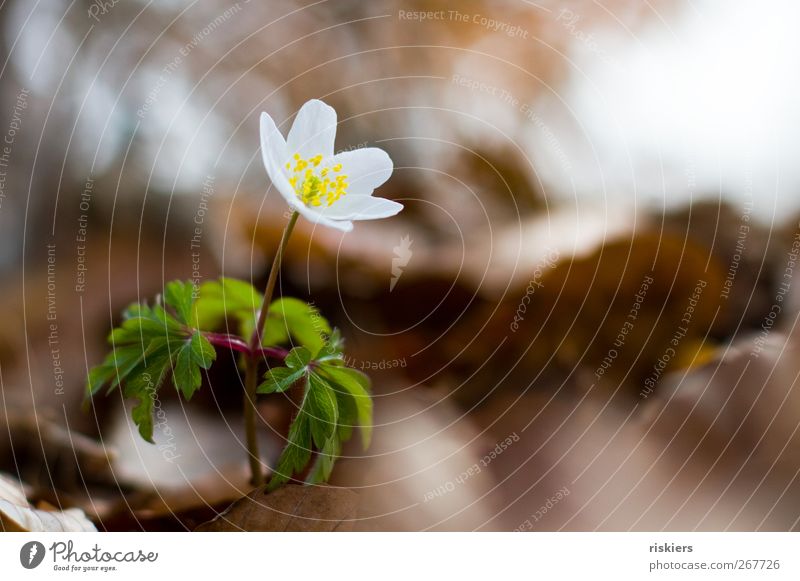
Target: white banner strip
x=356, y=556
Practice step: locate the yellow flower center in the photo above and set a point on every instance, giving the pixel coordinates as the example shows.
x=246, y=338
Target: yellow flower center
x=313, y=184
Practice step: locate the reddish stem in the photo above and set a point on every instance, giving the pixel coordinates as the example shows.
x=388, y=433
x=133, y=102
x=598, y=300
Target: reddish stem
x=228, y=341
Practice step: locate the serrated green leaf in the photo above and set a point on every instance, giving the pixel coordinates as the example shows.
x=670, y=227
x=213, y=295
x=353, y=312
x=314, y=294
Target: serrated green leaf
x=142, y=416
x=144, y=386
x=297, y=358
x=288, y=317
x=335, y=399
x=101, y=374
x=98, y=376
x=316, y=423
x=348, y=414
x=275, y=331
x=322, y=410
x=323, y=465
x=298, y=319
x=142, y=323
x=180, y=295
x=140, y=327
x=297, y=452
x=203, y=352
x=156, y=362
x=127, y=336
x=333, y=349
x=116, y=367
x=348, y=375
x=192, y=355
x=135, y=310
x=186, y=374
x=227, y=298
x=155, y=313
x=279, y=379
x=356, y=384
x=121, y=363
x=149, y=343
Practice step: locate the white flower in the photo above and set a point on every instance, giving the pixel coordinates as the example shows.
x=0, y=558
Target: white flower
x=332, y=190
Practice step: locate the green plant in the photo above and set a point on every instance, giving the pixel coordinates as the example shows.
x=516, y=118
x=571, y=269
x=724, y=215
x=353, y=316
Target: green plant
x=176, y=337
x=178, y=334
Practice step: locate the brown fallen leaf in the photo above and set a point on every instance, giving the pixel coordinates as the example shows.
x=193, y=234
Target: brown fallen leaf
x=54, y=454
x=17, y=515
x=293, y=508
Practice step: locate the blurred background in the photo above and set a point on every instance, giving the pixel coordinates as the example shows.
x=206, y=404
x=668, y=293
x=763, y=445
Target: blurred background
x=584, y=319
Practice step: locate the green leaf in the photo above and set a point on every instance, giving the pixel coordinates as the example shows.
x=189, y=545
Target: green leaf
x=333, y=350
x=203, y=353
x=227, y=298
x=279, y=379
x=348, y=415
x=99, y=375
x=297, y=452
x=297, y=358
x=149, y=344
x=180, y=295
x=322, y=409
x=186, y=374
x=356, y=384
x=116, y=367
x=138, y=328
x=323, y=465
x=192, y=355
x=335, y=399
x=332, y=432
x=142, y=416
x=132, y=342
x=289, y=317
x=275, y=331
x=298, y=319
x=156, y=314
x=142, y=323
x=316, y=423
x=144, y=386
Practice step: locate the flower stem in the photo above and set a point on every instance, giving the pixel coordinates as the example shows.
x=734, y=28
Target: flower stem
x=251, y=368
x=255, y=340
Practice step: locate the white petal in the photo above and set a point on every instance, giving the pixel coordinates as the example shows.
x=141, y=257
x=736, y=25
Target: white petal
x=273, y=153
x=366, y=169
x=313, y=131
x=272, y=142
x=313, y=215
x=361, y=208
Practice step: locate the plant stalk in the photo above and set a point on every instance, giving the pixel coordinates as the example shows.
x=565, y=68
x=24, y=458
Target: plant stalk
x=251, y=367
x=255, y=340
x=251, y=435
x=228, y=341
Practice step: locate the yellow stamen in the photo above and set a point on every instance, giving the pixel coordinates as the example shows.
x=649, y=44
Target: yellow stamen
x=312, y=186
